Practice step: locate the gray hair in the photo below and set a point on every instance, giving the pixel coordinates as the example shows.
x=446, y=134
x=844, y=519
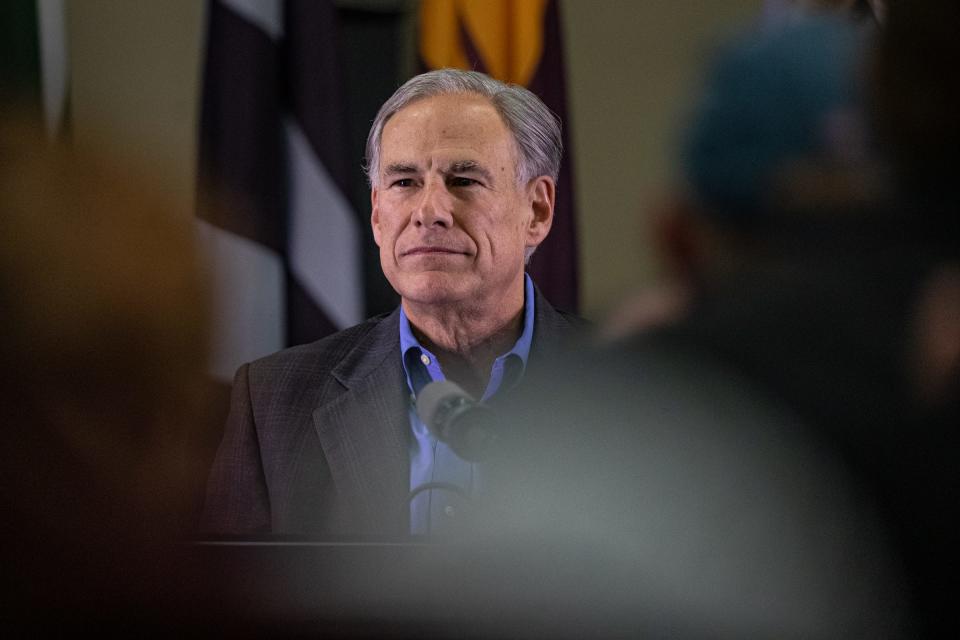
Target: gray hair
x=535, y=128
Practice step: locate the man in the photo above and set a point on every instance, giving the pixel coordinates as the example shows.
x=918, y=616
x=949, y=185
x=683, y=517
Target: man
x=323, y=438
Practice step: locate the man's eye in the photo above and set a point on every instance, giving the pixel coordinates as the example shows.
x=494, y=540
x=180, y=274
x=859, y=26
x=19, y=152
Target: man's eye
x=402, y=182
x=460, y=181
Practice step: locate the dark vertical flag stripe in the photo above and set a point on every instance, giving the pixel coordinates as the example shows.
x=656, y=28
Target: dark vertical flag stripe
x=306, y=321
x=20, y=55
x=475, y=61
x=555, y=264
x=272, y=168
x=315, y=104
x=34, y=64
x=241, y=148
x=309, y=57
x=314, y=91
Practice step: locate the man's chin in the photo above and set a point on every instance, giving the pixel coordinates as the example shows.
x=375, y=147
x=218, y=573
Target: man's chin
x=435, y=297
x=440, y=289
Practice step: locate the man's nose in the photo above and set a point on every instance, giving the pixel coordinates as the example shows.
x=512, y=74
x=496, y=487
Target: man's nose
x=434, y=207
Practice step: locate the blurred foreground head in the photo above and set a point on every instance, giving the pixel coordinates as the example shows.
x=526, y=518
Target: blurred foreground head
x=775, y=151
x=779, y=126
x=103, y=325
x=824, y=142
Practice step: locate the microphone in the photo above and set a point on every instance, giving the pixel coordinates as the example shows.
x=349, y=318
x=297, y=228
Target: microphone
x=454, y=417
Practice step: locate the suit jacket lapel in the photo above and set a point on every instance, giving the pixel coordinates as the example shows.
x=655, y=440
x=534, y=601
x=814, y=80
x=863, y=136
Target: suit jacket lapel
x=364, y=433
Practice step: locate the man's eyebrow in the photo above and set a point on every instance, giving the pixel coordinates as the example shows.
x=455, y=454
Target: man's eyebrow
x=400, y=168
x=469, y=166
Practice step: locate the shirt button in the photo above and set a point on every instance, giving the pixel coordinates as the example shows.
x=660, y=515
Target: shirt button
x=449, y=511
x=425, y=359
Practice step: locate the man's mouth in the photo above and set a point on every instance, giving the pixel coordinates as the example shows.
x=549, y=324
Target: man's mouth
x=431, y=251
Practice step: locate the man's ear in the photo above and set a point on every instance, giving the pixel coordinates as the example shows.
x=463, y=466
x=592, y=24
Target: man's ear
x=375, y=214
x=542, y=193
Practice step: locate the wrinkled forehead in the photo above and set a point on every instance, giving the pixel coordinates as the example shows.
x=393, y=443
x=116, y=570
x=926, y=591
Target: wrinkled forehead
x=464, y=122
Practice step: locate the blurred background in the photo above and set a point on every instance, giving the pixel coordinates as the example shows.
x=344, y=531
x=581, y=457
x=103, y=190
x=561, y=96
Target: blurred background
x=133, y=80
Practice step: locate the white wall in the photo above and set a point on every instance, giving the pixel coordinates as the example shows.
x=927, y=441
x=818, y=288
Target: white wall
x=633, y=67
x=136, y=72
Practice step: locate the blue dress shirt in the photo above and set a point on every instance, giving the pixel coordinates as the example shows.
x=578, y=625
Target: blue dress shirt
x=433, y=511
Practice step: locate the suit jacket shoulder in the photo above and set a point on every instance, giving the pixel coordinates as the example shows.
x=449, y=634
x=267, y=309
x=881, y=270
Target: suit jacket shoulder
x=554, y=330
x=315, y=439
x=317, y=367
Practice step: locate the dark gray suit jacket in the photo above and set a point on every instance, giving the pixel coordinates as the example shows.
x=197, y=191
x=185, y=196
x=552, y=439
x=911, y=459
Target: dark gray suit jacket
x=317, y=437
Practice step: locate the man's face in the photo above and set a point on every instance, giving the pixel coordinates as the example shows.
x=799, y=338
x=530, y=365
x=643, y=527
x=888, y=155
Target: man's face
x=448, y=215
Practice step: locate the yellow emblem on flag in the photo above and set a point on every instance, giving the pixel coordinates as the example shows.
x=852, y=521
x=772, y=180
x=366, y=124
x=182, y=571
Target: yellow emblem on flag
x=506, y=34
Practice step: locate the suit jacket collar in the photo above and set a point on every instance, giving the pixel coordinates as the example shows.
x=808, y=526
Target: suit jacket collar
x=369, y=355
x=551, y=328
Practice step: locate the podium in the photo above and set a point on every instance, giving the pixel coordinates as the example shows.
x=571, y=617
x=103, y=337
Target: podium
x=426, y=588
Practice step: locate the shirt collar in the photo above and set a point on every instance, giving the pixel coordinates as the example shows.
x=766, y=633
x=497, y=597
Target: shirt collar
x=408, y=341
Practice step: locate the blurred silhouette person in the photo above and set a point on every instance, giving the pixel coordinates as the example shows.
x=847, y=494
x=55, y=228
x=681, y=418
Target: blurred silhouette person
x=800, y=115
x=776, y=460
x=729, y=464
x=103, y=324
x=916, y=96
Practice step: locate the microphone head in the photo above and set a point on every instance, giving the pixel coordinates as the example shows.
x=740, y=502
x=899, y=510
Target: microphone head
x=436, y=401
x=454, y=417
